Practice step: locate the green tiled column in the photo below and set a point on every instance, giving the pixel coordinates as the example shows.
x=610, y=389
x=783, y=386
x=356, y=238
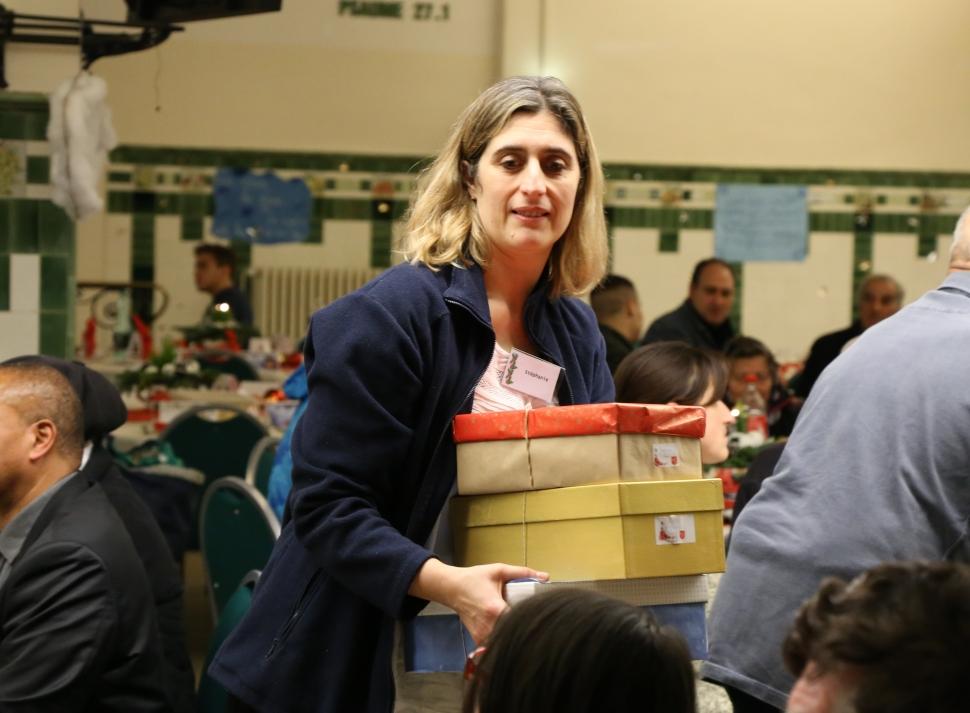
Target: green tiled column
x=738, y=269
x=33, y=225
x=142, y=262
x=861, y=256
x=380, y=243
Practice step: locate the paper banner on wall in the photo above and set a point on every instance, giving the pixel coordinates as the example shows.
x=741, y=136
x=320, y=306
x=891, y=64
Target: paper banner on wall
x=260, y=208
x=760, y=223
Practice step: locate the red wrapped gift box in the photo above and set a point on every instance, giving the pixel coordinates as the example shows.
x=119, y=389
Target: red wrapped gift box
x=512, y=451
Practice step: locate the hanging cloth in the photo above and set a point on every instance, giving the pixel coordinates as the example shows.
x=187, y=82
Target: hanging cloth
x=80, y=135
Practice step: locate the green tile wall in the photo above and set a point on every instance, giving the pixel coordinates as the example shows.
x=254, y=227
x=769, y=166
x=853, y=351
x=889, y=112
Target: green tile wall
x=24, y=233
x=36, y=226
x=738, y=269
x=138, y=186
x=142, y=261
x=4, y=281
x=926, y=244
x=861, y=262
x=56, y=334
x=380, y=255
x=669, y=241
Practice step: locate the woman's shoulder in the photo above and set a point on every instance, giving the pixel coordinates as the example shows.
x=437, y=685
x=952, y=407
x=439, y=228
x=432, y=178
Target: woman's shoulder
x=400, y=292
x=406, y=279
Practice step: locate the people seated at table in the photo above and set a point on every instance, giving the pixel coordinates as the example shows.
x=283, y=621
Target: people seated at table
x=215, y=267
x=880, y=296
x=703, y=320
x=616, y=305
x=102, y=412
x=893, y=640
x=677, y=373
x=577, y=651
x=749, y=358
x=78, y=629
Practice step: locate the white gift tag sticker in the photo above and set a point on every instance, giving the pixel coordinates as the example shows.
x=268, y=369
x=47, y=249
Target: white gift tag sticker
x=666, y=455
x=674, y=529
x=531, y=375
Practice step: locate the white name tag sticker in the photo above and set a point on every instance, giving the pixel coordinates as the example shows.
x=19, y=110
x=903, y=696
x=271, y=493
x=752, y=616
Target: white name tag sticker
x=674, y=529
x=531, y=375
x=666, y=455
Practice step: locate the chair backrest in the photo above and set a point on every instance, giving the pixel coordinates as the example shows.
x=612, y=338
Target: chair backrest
x=260, y=464
x=216, y=439
x=238, y=531
x=225, y=362
x=212, y=697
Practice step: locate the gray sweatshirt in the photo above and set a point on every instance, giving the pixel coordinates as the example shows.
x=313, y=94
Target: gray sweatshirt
x=877, y=469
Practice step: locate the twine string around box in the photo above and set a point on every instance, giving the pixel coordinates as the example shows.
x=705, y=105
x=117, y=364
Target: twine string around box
x=525, y=496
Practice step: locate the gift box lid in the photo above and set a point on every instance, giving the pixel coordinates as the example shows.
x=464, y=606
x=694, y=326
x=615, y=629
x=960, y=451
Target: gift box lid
x=583, y=420
x=589, y=501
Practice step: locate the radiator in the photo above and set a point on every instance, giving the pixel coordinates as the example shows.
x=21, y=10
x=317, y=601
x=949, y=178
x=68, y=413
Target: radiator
x=285, y=297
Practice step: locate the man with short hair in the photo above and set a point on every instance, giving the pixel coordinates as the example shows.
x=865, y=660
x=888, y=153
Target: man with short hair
x=703, y=320
x=617, y=308
x=893, y=640
x=215, y=267
x=880, y=296
x=77, y=625
x=103, y=411
x=876, y=470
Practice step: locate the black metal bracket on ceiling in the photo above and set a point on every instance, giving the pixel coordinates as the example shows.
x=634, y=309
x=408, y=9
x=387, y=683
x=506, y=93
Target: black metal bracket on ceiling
x=49, y=30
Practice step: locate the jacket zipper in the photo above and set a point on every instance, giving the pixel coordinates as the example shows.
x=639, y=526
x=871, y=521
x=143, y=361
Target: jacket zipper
x=294, y=616
x=424, y=500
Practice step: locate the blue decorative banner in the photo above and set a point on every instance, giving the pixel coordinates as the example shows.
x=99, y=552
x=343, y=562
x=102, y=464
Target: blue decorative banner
x=761, y=223
x=260, y=208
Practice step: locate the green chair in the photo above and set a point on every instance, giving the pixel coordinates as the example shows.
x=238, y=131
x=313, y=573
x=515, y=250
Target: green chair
x=226, y=362
x=260, y=464
x=212, y=697
x=237, y=531
x=216, y=439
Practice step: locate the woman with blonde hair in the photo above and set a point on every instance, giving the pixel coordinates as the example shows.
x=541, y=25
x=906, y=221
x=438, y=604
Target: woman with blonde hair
x=507, y=225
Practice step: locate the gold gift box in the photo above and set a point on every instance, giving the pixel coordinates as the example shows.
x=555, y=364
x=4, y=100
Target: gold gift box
x=607, y=531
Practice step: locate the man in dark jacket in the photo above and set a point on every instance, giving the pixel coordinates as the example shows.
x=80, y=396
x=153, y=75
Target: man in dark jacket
x=880, y=296
x=103, y=411
x=703, y=320
x=618, y=315
x=78, y=631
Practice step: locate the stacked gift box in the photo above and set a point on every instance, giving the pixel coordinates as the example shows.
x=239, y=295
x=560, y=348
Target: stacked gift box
x=603, y=496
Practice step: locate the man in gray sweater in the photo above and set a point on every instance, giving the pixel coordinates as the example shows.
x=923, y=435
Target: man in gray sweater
x=876, y=470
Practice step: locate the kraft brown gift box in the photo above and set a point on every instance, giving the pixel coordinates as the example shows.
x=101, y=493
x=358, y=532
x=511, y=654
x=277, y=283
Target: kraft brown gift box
x=563, y=446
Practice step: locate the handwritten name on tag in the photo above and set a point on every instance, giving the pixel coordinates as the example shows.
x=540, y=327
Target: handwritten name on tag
x=531, y=375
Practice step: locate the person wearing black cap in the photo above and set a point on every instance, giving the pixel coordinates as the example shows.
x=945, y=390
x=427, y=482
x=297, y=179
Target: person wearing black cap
x=103, y=411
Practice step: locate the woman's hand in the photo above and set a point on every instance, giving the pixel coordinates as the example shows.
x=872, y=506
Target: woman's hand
x=476, y=593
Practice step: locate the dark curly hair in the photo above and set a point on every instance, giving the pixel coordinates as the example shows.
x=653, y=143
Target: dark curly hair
x=904, y=626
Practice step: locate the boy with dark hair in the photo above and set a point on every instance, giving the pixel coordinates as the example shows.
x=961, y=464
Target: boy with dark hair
x=215, y=267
